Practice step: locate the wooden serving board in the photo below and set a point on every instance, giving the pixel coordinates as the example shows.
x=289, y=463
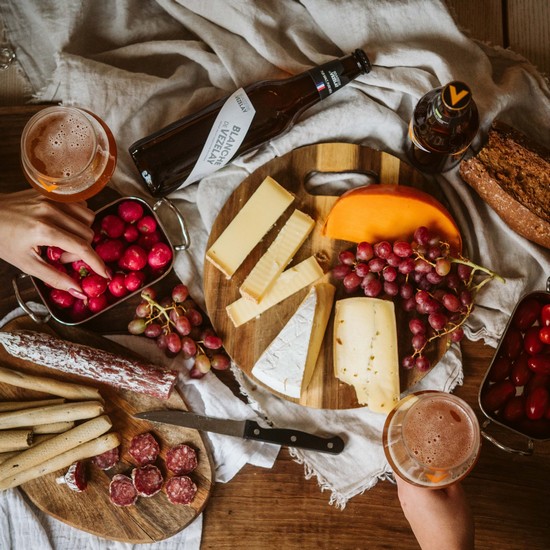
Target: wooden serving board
x=246, y=343
x=150, y=519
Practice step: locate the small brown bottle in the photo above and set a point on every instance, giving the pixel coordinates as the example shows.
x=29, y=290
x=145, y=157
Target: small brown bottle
x=444, y=123
x=199, y=144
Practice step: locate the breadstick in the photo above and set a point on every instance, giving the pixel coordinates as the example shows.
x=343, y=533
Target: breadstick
x=55, y=446
x=37, y=439
x=5, y=456
x=86, y=450
x=50, y=414
x=15, y=440
x=48, y=385
x=55, y=428
x=18, y=405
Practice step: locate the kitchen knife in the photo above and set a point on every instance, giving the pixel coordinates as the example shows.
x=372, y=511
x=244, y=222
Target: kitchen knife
x=247, y=429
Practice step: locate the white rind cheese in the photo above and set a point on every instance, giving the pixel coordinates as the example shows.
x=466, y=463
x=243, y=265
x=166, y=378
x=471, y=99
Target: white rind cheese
x=287, y=364
x=366, y=351
x=277, y=256
x=249, y=226
x=290, y=281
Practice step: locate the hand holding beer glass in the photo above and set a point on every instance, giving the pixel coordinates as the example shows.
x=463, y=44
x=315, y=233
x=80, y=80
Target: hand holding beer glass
x=432, y=439
x=68, y=154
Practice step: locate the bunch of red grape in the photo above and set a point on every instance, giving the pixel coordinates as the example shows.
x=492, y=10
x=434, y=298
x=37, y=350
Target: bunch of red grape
x=435, y=289
x=178, y=326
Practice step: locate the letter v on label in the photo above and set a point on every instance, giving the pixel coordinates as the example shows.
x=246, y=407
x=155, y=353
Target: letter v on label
x=456, y=97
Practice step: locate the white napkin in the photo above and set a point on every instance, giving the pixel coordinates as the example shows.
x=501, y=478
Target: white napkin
x=24, y=526
x=178, y=55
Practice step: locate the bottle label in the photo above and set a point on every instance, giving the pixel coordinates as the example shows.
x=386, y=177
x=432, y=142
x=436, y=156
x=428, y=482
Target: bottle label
x=329, y=77
x=225, y=137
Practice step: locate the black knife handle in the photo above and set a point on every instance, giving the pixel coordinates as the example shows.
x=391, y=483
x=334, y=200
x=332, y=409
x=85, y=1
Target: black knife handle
x=293, y=438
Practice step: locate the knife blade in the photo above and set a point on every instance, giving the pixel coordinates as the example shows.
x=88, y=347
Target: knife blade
x=246, y=429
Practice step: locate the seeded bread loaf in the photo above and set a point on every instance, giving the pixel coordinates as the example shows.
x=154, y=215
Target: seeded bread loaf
x=512, y=174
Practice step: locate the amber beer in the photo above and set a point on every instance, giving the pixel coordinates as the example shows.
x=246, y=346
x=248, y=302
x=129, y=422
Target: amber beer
x=432, y=439
x=197, y=145
x=444, y=123
x=67, y=154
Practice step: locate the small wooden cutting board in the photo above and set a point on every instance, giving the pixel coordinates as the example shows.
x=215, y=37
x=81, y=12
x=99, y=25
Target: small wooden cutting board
x=246, y=343
x=150, y=519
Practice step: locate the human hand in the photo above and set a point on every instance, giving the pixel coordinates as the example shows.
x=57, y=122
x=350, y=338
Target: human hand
x=439, y=518
x=29, y=220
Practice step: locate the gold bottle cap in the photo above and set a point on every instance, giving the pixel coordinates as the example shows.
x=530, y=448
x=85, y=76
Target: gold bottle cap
x=456, y=95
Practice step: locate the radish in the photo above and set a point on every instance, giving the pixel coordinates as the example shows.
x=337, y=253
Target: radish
x=159, y=256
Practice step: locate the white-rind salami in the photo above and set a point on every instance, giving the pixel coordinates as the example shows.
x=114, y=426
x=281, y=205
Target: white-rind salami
x=181, y=459
x=147, y=480
x=76, y=477
x=98, y=365
x=144, y=448
x=122, y=491
x=180, y=490
x=107, y=460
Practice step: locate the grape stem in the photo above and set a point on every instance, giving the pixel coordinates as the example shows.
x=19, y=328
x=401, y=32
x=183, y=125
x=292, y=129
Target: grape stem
x=476, y=267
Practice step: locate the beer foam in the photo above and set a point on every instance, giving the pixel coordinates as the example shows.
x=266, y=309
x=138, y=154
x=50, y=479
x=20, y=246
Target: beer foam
x=61, y=144
x=439, y=433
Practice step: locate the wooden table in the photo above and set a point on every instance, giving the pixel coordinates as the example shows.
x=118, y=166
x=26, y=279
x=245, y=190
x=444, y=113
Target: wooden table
x=279, y=508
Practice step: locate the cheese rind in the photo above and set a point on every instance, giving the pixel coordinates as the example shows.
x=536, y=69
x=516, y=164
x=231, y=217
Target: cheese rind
x=249, y=226
x=287, y=364
x=277, y=256
x=290, y=281
x=366, y=351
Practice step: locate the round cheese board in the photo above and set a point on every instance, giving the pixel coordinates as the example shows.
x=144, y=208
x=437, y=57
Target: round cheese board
x=246, y=343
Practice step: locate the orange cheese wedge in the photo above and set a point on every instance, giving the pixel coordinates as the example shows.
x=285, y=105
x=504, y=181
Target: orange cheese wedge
x=389, y=212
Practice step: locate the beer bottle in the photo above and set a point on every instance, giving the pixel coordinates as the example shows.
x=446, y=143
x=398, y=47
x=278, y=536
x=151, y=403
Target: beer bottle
x=444, y=123
x=197, y=145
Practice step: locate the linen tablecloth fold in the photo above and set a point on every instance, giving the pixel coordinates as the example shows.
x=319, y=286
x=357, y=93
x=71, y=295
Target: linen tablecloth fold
x=141, y=65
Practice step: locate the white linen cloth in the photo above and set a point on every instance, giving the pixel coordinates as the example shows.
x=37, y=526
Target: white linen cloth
x=140, y=65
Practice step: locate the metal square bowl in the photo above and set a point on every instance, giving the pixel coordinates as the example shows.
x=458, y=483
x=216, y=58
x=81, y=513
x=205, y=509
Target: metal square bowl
x=62, y=315
x=532, y=430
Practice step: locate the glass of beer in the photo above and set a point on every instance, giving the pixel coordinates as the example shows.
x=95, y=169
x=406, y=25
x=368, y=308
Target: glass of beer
x=67, y=154
x=432, y=439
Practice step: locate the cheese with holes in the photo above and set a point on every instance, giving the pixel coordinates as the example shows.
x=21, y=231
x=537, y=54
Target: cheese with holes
x=287, y=364
x=366, y=352
x=290, y=281
x=249, y=226
x=277, y=256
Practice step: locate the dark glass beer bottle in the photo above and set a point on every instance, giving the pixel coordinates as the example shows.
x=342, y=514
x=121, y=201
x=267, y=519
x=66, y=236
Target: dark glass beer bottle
x=444, y=123
x=197, y=145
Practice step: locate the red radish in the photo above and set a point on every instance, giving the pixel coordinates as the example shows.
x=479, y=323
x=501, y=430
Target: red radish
x=131, y=233
x=79, y=311
x=110, y=250
x=53, y=253
x=148, y=240
x=82, y=268
x=117, y=286
x=147, y=224
x=94, y=285
x=61, y=298
x=130, y=211
x=98, y=303
x=134, y=280
x=134, y=258
x=112, y=226
x=159, y=256
x=98, y=236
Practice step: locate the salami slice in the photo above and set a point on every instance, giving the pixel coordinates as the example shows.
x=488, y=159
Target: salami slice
x=147, y=480
x=76, y=477
x=144, y=448
x=98, y=365
x=122, y=491
x=180, y=490
x=108, y=459
x=181, y=459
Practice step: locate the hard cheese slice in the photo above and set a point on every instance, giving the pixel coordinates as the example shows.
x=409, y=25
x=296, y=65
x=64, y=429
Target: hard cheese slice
x=288, y=363
x=249, y=226
x=365, y=351
x=278, y=256
x=290, y=281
